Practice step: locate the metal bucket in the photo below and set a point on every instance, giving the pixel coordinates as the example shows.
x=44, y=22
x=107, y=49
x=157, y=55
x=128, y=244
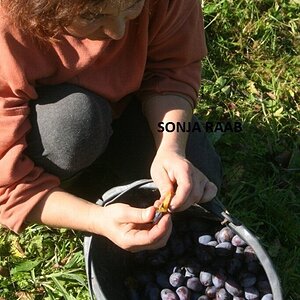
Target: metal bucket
x=108, y=266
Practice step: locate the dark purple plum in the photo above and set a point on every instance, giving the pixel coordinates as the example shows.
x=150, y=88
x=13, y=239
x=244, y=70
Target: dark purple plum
x=212, y=243
x=224, y=249
x=220, y=262
x=176, y=279
x=205, y=278
x=183, y=293
x=193, y=269
x=203, y=297
x=239, y=253
x=251, y=293
x=211, y=291
x=267, y=297
x=221, y=266
x=249, y=254
x=204, y=239
x=194, y=284
x=179, y=269
x=264, y=286
x=247, y=279
x=218, y=280
x=195, y=296
x=167, y=294
x=234, y=266
x=262, y=277
x=238, y=241
x=233, y=288
x=188, y=274
x=204, y=257
x=222, y=294
x=210, y=249
x=225, y=235
x=254, y=266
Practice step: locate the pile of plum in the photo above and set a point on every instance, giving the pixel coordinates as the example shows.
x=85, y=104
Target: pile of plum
x=198, y=264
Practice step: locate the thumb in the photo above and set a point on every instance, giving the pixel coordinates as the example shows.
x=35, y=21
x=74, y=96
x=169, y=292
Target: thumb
x=138, y=215
x=210, y=191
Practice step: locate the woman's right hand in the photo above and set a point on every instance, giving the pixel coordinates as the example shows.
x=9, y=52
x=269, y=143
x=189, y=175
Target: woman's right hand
x=131, y=228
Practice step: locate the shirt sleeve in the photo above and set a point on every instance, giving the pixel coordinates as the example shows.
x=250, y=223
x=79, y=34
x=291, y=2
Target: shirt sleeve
x=22, y=184
x=176, y=47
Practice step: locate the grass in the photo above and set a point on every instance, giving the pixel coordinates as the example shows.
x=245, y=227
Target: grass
x=252, y=76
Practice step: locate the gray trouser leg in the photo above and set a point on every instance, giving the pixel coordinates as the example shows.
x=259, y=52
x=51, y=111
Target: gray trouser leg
x=131, y=149
x=71, y=127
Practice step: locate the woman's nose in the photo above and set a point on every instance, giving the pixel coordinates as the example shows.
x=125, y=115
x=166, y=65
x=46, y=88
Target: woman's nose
x=115, y=28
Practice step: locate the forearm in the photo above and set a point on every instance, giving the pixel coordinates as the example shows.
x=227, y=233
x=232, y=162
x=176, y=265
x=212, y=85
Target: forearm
x=128, y=227
x=60, y=209
x=168, y=108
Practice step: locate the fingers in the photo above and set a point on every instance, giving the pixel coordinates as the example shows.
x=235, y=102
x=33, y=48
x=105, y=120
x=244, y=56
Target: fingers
x=210, y=191
x=132, y=228
x=138, y=228
x=158, y=235
x=158, y=202
x=196, y=189
x=154, y=238
x=183, y=191
x=131, y=214
x=163, y=181
x=194, y=196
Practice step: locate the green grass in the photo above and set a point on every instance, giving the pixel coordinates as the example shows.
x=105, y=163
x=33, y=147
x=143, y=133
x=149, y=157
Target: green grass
x=251, y=75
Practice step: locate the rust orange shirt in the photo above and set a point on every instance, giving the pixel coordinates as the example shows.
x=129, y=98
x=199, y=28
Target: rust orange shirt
x=160, y=53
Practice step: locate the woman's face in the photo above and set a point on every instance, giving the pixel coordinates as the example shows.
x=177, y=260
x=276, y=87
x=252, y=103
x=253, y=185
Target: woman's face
x=110, y=23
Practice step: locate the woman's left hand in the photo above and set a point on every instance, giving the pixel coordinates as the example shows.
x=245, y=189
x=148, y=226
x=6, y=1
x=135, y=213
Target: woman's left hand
x=171, y=171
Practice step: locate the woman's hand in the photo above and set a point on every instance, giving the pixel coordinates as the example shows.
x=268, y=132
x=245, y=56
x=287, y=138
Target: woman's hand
x=132, y=228
x=170, y=170
x=173, y=172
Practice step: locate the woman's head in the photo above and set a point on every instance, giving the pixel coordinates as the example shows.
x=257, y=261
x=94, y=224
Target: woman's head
x=106, y=22
x=94, y=19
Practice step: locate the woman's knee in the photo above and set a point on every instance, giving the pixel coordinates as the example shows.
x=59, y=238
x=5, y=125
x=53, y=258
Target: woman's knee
x=71, y=127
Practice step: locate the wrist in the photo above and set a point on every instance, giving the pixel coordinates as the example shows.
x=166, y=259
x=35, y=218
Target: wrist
x=167, y=148
x=60, y=209
x=95, y=217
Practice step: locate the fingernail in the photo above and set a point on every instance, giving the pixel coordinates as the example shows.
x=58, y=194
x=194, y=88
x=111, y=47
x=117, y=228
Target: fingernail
x=171, y=208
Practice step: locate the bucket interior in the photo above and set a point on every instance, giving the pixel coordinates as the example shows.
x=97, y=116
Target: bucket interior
x=115, y=269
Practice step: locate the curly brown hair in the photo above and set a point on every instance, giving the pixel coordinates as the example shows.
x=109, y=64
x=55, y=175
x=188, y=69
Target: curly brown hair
x=45, y=19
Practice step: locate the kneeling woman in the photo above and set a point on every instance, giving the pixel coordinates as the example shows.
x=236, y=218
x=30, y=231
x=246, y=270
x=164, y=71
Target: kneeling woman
x=85, y=79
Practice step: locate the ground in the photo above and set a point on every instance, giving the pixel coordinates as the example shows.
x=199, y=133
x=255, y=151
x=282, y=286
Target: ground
x=251, y=76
